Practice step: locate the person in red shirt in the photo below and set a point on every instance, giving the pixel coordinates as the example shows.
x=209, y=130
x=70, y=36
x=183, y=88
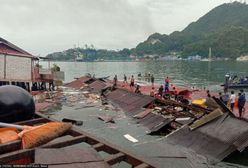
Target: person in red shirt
x=167, y=81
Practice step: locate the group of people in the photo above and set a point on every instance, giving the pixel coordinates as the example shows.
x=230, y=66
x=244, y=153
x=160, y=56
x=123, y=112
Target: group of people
x=147, y=77
x=232, y=99
x=132, y=84
x=163, y=91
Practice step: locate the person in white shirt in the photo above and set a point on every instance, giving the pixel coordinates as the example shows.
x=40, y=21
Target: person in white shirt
x=232, y=99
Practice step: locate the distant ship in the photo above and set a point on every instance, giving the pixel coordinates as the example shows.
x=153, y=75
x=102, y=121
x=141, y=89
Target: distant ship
x=80, y=58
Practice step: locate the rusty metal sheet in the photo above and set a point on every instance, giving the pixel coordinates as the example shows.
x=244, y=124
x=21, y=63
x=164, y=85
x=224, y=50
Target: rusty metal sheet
x=78, y=83
x=215, y=140
x=97, y=85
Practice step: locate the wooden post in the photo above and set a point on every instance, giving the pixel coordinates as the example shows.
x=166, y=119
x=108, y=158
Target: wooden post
x=30, y=86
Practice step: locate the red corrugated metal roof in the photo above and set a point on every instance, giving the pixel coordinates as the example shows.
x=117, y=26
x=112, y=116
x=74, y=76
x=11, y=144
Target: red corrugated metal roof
x=78, y=83
x=97, y=85
x=11, y=49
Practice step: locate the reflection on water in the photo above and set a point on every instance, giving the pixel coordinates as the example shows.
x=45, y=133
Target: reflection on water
x=183, y=73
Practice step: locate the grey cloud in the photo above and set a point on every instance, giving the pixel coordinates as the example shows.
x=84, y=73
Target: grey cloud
x=43, y=26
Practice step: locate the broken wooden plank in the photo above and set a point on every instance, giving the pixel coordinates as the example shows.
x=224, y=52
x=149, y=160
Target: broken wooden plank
x=106, y=119
x=207, y=118
x=143, y=114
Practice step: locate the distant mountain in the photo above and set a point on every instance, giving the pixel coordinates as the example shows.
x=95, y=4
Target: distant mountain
x=222, y=17
x=224, y=29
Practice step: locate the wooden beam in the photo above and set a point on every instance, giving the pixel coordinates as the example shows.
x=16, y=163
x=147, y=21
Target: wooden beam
x=16, y=155
x=108, y=147
x=98, y=147
x=115, y=158
x=9, y=147
x=65, y=143
x=33, y=121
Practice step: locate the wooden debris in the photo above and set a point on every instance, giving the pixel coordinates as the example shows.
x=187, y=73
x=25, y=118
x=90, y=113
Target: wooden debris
x=143, y=114
x=207, y=118
x=106, y=119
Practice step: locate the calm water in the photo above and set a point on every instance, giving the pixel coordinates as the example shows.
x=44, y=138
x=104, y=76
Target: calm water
x=182, y=73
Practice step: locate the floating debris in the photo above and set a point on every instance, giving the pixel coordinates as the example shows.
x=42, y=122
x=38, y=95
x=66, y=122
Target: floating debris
x=130, y=138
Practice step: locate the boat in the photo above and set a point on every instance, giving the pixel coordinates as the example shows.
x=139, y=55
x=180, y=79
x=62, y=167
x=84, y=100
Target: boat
x=80, y=58
x=233, y=82
x=236, y=86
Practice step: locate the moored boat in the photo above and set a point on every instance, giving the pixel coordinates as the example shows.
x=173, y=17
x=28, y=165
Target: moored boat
x=232, y=81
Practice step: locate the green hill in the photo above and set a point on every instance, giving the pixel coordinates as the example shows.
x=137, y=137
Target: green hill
x=220, y=18
x=224, y=29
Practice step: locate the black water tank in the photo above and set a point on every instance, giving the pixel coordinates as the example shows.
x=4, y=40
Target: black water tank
x=16, y=104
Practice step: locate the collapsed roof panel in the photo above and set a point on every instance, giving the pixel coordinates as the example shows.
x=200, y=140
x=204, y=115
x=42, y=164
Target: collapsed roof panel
x=215, y=140
x=129, y=102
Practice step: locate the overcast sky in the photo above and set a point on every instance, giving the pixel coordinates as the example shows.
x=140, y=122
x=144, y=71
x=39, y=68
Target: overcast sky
x=45, y=26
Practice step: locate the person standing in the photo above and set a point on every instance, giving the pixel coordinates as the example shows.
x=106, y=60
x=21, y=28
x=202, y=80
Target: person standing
x=208, y=94
x=152, y=92
x=166, y=88
x=175, y=92
x=167, y=81
x=137, y=90
x=225, y=97
x=241, y=102
x=149, y=77
x=132, y=82
x=160, y=91
x=220, y=97
x=232, y=100
x=152, y=80
x=115, y=80
x=125, y=79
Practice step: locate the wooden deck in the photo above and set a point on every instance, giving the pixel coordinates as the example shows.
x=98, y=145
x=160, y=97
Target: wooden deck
x=12, y=152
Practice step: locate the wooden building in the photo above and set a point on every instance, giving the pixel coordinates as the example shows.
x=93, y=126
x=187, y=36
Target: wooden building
x=15, y=64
